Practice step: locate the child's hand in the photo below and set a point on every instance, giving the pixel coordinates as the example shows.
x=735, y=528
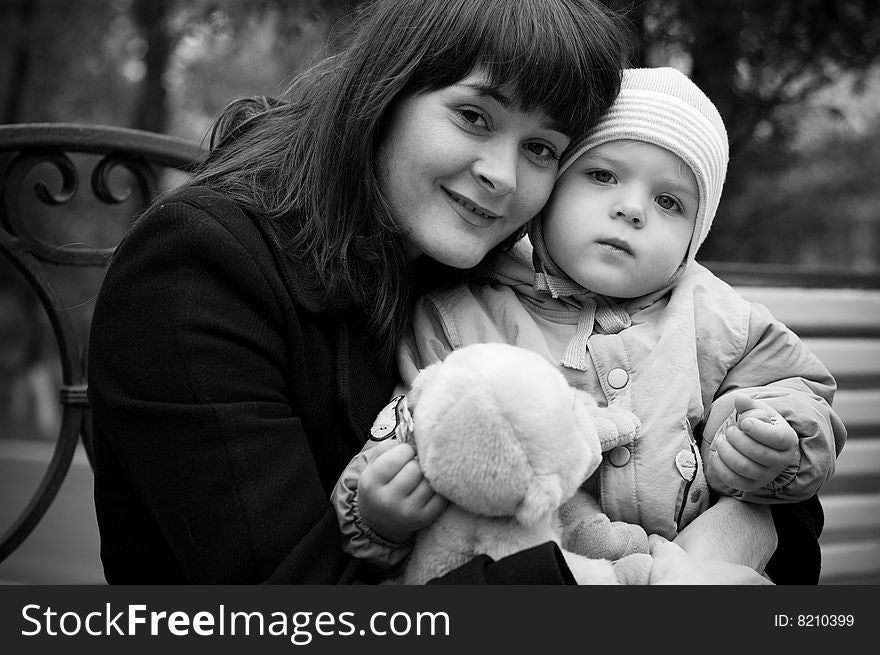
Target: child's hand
x=751, y=453
x=394, y=497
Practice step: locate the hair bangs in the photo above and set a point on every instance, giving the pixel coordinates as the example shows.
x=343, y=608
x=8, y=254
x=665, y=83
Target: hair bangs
x=560, y=57
x=542, y=82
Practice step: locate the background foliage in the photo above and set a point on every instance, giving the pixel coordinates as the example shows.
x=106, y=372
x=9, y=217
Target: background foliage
x=797, y=82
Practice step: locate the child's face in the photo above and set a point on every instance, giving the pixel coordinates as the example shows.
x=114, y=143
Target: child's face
x=621, y=217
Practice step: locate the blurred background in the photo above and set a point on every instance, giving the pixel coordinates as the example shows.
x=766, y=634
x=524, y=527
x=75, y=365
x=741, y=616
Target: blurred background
x=797, y=82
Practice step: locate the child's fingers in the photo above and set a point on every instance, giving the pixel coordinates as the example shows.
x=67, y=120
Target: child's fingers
x=387, y=465
x=426, y=503
x=739, y=465
x=421, y=494
x=749, y=408
x=774, y=433
x=754, y=449
x=769, y=463
x=764, y=424
x=721, y=474
x=435, y=506
x=408, y=479
x=744, y=403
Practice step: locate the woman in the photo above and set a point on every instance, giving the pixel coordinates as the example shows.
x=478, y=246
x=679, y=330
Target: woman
x=243, y=338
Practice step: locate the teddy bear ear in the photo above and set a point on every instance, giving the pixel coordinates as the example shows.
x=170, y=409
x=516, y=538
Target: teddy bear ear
x=541, y=499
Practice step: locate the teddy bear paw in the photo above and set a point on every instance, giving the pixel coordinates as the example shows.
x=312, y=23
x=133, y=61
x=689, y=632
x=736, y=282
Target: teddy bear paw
x=597, y=536
x=627, y=539
x=634, y=569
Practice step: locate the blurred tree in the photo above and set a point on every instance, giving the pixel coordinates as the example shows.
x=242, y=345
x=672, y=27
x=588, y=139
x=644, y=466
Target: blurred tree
x=808, y=207
x=151, y=17
x=171, y=65
x=757, y=59
x=76, y=63
x=16, y=24
x=230, y=48
x=764, y=65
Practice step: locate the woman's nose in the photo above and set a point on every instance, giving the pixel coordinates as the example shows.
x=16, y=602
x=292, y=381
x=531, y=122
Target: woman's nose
x=495, y=169
x=631, y=211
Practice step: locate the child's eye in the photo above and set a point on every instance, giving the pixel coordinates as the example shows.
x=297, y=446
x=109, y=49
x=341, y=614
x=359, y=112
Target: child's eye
x=668, y=203
x=603, y=177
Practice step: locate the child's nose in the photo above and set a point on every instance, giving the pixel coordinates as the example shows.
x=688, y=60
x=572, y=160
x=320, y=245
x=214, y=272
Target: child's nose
x=630, y=210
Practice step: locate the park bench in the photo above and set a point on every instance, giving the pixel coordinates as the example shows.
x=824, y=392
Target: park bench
x=70, y=191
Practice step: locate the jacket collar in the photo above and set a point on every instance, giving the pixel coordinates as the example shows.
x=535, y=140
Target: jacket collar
x=597, y=311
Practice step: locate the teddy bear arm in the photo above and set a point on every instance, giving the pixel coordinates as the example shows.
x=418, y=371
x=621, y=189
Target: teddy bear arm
x=585, y=530
x=572, y=512
x=614, y=426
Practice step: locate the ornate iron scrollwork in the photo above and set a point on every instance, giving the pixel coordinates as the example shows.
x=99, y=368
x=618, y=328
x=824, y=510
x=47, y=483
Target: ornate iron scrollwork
x=15, y=192
x=69, y=182
x=58, y=147
x=140, y=169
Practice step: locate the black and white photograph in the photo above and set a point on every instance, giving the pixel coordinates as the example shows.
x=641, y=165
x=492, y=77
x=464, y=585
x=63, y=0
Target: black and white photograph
x=265, y=265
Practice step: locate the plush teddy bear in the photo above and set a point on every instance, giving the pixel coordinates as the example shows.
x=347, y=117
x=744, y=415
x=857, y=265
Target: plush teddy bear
x=500, y=433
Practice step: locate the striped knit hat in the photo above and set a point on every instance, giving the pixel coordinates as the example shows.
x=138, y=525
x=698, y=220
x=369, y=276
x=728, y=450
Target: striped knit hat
x=663, y=107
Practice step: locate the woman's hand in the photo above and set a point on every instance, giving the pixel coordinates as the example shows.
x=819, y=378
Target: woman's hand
x=394, y=497
x=673, y=565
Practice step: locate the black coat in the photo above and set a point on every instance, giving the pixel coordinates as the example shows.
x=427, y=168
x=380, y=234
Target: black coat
x=227, y=399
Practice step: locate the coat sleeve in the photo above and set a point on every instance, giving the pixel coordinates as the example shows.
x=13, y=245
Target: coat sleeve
x=777, y=368
x=190, y=380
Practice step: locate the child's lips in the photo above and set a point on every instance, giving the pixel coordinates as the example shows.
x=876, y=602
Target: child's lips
x=616, y=246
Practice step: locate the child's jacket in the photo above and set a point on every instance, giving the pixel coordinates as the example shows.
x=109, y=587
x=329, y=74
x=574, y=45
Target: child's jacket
x=688, y=349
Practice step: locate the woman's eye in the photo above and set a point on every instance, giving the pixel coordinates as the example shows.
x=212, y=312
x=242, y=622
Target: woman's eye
x=603, y=177
x=543, y=151
x=472, y=117
x=668, y=203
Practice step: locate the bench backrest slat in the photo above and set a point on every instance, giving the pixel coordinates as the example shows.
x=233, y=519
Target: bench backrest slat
x=821, y=312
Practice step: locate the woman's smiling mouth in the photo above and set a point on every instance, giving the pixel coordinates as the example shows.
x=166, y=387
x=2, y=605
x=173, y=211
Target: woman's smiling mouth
x=471, y=207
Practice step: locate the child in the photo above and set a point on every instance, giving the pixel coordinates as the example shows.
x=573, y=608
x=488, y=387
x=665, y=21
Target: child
x=725, y=393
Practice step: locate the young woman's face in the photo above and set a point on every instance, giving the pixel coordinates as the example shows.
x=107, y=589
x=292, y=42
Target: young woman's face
x=463, y=168
x=621, y=218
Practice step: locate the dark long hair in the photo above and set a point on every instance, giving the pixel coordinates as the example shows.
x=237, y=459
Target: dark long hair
x=308, y=161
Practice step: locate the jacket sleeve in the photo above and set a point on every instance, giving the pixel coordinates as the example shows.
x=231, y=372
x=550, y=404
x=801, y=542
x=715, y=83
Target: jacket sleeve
x=358, y=539
x=777, y=368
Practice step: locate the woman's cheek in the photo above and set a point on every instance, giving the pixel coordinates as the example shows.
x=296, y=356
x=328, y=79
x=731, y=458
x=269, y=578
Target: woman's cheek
x=541, y=193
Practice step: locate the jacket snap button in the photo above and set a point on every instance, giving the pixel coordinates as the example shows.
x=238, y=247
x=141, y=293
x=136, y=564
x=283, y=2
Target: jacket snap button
x=619, y=455
x=686, y=464
x=617, y=378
